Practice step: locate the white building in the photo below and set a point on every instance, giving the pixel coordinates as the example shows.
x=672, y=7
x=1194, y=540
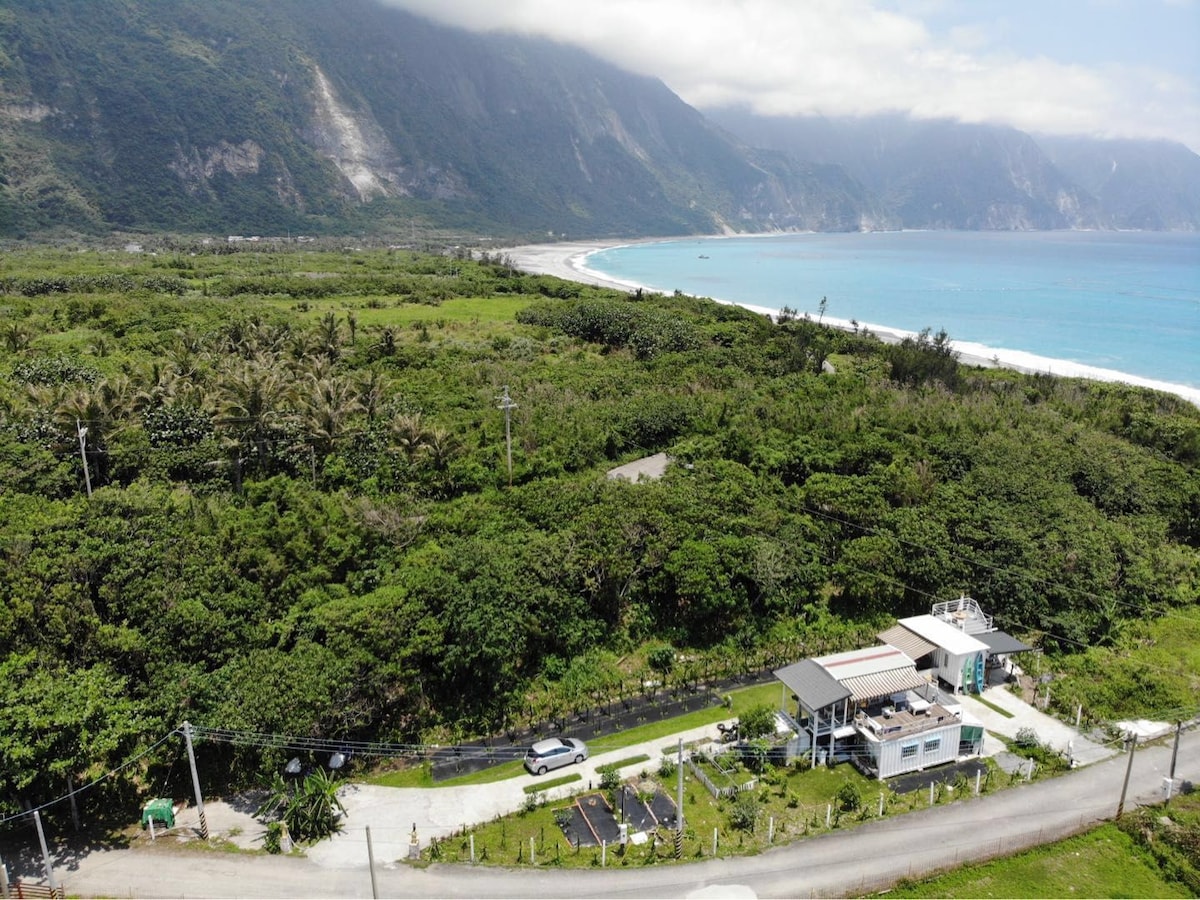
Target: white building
x=954, y=657
x=873, y=707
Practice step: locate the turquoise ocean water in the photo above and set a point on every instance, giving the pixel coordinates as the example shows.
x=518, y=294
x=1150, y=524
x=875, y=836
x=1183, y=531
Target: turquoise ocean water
x=1126, y=302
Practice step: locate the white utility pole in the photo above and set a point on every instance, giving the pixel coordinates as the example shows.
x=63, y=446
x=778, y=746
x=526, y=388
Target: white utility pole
x=506, y=404
x=50, y=879
x=187, y=739
x=87, y=476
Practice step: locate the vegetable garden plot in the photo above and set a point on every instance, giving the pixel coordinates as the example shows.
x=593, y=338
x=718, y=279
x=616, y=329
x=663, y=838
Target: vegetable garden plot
x=590, y=820
x=640, y=815
x=594, y=821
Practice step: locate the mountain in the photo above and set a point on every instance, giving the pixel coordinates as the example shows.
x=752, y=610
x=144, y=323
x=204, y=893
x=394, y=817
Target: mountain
x=266, y=116
x=942, y=174
x=300, y=114
x=1152, y=185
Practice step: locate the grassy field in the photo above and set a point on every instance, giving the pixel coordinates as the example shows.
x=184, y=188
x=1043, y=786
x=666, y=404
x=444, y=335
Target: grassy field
x=1104, y=862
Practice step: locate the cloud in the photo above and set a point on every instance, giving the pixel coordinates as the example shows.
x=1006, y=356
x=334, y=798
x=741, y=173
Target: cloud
x=852, y=57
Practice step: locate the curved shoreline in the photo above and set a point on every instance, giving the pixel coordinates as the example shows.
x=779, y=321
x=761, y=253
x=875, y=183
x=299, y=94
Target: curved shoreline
x=569, y=261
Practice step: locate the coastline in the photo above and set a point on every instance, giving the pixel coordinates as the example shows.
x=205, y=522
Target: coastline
x=569, y=261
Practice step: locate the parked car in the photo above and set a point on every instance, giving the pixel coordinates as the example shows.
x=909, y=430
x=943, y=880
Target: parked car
x=553, y=753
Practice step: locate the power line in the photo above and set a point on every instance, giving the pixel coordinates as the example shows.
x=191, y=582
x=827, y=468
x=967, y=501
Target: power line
x=86, y=787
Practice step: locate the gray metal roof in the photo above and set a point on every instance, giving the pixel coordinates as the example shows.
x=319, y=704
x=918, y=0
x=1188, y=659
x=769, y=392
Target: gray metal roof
x=1002, y=642
x=815, y=687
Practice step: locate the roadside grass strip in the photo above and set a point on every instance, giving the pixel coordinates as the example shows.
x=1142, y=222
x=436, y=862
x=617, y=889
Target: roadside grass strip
x=552, y=783
x=992, y=706
x=622, y=763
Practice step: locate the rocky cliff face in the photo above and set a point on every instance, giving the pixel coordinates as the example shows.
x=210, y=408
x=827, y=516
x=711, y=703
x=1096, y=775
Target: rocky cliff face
x=306, y=115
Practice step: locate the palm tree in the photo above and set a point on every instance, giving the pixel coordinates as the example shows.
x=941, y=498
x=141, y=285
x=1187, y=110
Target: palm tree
x=329, y=336
x=310, y=808
x=372, y=386
x=324, y=406
x=16, y=337
x=104, y=409
x=251, y=397
x=408, y=434
x=440, y=446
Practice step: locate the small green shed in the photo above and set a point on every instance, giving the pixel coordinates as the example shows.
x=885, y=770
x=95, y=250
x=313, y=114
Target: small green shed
x=160, y=810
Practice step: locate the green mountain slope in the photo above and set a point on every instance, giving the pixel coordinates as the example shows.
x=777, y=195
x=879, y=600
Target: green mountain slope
x=307, y=115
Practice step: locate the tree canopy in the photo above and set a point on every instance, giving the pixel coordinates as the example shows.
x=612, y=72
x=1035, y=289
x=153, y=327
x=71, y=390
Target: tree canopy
x=301, y=522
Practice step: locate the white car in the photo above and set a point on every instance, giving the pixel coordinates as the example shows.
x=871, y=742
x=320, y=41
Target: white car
x=553, y=753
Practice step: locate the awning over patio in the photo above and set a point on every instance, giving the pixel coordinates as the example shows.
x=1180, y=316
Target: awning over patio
x=912, y=644
x=884, y=684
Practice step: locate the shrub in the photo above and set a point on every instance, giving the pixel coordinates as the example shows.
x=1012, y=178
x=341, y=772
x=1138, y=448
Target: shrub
x=743, y=812
x=666, y=767
x=1026, y=739
x=756, y=722
x=848, y=798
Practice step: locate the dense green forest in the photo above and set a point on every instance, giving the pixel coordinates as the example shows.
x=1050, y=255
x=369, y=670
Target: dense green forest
x=296, y=514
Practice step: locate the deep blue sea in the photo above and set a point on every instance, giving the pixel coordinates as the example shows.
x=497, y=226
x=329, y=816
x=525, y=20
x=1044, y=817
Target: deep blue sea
x=1065, y=302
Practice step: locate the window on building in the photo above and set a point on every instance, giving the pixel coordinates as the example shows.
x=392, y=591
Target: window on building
x=933, y=744
x=908, y=751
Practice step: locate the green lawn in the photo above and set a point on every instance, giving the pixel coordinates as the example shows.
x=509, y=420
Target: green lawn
x=741, y=700
x=551, y=783
x=1104, y=862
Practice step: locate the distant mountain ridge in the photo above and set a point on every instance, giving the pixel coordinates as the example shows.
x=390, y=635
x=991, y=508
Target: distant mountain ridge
x=302, y=115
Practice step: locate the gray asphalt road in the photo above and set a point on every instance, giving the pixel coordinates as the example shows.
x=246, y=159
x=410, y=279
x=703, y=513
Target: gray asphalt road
x=834, y=864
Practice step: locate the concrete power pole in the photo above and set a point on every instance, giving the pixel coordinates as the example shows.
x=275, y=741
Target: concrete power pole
x=1128, y=770
x=87, y=476
x=1174, y=756
x=506, y=404
x=679, y=804
x=187, y=739
x=50, y=879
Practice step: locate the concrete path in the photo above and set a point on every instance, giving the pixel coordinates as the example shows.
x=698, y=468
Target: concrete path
x=1048, y=729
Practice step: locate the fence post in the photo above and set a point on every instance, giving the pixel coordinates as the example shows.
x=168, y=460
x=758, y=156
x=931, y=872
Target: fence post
x=714, y=842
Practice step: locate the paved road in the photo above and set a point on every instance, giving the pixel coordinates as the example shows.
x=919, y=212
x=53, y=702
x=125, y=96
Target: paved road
x=834, y=864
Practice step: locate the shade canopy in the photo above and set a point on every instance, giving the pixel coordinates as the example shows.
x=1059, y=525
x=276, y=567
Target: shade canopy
x=911, y=643
x=1002, y=642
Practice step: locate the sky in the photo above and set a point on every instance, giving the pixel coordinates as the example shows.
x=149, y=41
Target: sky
x=1109, y=68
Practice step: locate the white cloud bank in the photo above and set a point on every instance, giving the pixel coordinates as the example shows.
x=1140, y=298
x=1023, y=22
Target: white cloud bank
x=851, y=57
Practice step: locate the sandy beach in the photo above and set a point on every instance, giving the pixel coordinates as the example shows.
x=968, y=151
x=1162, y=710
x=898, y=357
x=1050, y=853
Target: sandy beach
x=569, y=261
